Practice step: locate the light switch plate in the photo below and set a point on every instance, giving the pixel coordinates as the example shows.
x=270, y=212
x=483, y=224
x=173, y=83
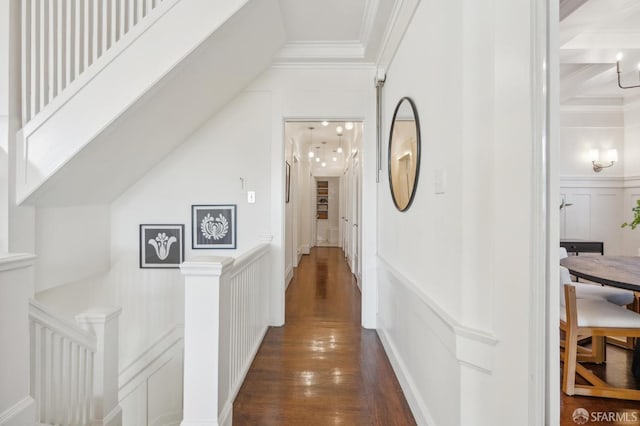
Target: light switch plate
x=251, y=197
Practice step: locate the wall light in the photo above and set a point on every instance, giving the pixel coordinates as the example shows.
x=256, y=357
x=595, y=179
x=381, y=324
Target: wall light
x=609, y=158
x=618, y=59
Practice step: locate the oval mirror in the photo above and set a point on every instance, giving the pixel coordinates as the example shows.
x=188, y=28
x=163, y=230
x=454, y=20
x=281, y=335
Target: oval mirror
x=404, y=153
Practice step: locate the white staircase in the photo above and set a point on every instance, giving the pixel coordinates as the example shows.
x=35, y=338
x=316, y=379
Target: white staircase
x=115, y=85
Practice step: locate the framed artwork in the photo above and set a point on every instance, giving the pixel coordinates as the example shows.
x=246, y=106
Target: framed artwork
x=287, y=181
x=161, y=246
x=213, y=226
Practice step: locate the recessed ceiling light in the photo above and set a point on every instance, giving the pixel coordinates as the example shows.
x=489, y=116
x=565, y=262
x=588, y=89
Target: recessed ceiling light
x=335, y=158
x=325, y=123
x=317, y=159
x=324, y=164
x=339, y=130
x=339, y=149
x=348, y=125
x=311, y=154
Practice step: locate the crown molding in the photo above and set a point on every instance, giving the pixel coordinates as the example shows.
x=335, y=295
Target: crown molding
x=368, y=19
x=401, y=16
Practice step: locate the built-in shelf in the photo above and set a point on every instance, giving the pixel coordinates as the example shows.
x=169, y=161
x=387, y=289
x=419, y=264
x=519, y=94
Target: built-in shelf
x=322, y=199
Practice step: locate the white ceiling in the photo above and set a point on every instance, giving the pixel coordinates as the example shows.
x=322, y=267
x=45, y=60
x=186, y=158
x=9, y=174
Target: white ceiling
x=334, y=30
x=592, y=32
x=305, y=140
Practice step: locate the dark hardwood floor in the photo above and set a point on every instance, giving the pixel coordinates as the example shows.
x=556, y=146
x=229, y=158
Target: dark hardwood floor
x=321, y=368
x=617, y=372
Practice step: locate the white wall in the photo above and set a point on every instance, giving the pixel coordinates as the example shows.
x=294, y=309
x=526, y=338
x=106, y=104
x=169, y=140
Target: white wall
x=17, y=408
x=308, y=92
x=632, y=139
x=72, y=244
x=452, y=265
x=4, y=126
x=601, y=202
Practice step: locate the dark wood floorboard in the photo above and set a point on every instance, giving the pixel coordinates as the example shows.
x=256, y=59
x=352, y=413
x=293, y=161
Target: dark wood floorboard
x=321, y=368
x=617, y=372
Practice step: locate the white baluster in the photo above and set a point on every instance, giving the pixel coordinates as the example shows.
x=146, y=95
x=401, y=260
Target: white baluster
x=26, y=62
x=103, y=323
x=35, y=56
x=79, y=37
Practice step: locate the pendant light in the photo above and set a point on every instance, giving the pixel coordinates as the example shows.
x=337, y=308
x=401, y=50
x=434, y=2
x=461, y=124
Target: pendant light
x=311, y=154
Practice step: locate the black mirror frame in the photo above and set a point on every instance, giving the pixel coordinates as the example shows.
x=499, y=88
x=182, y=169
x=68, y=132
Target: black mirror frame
x=418, y=154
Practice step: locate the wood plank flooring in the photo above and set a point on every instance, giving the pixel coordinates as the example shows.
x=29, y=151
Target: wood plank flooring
x=617, y=372
x=321, y=368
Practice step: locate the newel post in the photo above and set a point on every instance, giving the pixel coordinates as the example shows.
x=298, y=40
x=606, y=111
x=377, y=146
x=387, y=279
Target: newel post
x=201, y=339
x=103, y=323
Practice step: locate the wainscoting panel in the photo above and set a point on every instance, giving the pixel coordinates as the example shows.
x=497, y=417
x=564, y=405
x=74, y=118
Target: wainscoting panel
x=151, y=386
x=411, y=325
x=595, y=213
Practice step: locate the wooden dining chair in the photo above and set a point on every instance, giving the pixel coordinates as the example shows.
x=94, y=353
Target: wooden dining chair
x=593, y=318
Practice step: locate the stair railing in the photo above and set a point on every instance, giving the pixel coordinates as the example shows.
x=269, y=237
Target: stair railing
x=62, y=39
x=74, y=367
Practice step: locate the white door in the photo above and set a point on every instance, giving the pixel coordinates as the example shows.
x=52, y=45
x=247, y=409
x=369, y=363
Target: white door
x=355, y=219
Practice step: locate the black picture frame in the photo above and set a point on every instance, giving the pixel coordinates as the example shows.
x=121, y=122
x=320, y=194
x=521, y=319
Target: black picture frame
x=287, y=181
x=161, y=246
x=213, y=226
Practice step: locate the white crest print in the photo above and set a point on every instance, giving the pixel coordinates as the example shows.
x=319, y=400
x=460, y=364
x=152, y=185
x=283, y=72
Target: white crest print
x=162, y=244
x=214, y=228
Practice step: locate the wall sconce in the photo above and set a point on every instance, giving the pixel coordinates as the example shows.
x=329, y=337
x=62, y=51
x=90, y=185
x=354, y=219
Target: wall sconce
x=618, y=59
x=610, y=157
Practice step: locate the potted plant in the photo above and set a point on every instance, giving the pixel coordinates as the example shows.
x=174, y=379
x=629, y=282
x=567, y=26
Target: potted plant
x=636, y=217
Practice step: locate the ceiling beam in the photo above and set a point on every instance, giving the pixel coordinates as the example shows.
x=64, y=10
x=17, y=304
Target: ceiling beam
x=567, y=7
x=574, y=83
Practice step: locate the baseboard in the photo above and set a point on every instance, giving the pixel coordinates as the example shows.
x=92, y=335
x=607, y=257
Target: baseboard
x=171, y=419
x=247, y=365
x=226, y=417
x=304, y=249
x=21, y=413
x=420, y=412
x=288, y=277
x=114, y=418
x=155, y=356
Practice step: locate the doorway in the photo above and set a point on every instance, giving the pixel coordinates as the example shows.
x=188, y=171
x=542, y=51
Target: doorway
x=323, y=190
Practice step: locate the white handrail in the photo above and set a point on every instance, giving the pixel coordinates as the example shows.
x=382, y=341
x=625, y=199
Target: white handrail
x=226, y=316
x=74, y=366
x=62, y=357
x=61, y=39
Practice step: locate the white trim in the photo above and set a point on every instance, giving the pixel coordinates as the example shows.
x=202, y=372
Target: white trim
x=592, y=108
x=168, y=419
x=21, y=408
x=38, y=312
x=324, y=66
x=288, y=277
x=420, y=412
x=13, y=261
x=152, y=359
x=401, y=16
x=368, y=19
x=226, y=417
x=615, y=182
x=472, y=347
x=96, y=67
x=320, y=50
x=114, y=418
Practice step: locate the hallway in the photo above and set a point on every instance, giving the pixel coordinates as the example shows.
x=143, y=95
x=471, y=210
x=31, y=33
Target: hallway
x=321, y=368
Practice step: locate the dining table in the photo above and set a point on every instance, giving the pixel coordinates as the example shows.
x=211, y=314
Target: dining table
x=615, y=271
